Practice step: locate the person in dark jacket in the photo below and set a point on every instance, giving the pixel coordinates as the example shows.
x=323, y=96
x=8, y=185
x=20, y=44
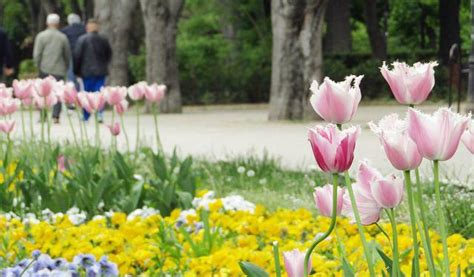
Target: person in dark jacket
x=92, y=56
x=73, y=31
x=6, y=58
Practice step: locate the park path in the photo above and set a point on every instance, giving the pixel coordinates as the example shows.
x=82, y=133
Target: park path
x=223, y=132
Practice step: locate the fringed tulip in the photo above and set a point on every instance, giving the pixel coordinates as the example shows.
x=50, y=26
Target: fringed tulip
x=468, y=137
x=373, y=192
x=7, y=126
x=137, y=91
x=114, y=95
x=114, y=129
x=5, y=92
x=69, y=95
x=410, y=84
x=369, y=209
x=44, y=87
x=121, y=107
x=437, y=136
x=323, y=199
x=91, y=102
x=388, y=192
x=294, y=263
x=400, y=149
x=23, y=89
x=45, y=102
x=336, y=102
x=155, y=93
x=9, y=106
x=333, y=149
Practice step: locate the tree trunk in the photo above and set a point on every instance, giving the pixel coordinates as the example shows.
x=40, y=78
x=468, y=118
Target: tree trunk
x=297, y=55
x=377, y=38
x=448, y=27
x=115, y=17
x=161, y=26
x=338, y=37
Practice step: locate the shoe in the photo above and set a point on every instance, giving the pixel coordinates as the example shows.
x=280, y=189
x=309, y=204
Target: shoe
x=56, y=120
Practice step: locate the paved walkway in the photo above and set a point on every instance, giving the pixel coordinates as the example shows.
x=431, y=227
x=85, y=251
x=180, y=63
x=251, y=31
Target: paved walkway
x=223, y=132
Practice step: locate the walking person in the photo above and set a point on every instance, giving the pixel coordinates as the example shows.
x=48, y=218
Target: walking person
x=73, y=31
x=6, y=58
x=92, y=56
x=52, y=55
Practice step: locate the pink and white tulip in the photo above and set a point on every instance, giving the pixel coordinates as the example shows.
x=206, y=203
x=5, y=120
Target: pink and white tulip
x=388, y=192
x=468, y=137
x=336, y=102
x=44, y=87
x=114, y=129
x=294, y=263
x=373, y=192
x=410, y=84
x=69, y=95
x=437, y=136
x=91, y=102
x=5, y=92
x=323, y=199
x=45, y=102
x=121, y=107
x=114, y=95
x=9, y=106
x=155, y=93
x=137, y=91
x=333, y=149
x=400, y=149
x=7, y=126
x=23, y=89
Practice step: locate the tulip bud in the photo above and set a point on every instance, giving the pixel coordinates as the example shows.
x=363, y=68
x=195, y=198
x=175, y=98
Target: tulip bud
x=294, y=263
x=400, y=149
x=323, y=199
x=410, y=84
x=336, y=102
x=437, y=136
x=333, y=149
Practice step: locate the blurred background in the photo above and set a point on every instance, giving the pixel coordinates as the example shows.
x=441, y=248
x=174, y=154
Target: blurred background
x=223, y=48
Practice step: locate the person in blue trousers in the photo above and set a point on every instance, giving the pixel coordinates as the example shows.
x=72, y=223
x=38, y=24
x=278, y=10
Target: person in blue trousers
x=92, y=56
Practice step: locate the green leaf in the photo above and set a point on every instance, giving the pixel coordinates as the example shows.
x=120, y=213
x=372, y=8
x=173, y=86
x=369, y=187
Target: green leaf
x=252, y=270
x=347, y=268
x=388, y=262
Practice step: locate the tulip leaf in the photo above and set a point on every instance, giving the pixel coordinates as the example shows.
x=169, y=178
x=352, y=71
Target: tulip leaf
x=388, y=262
x=347, y=268
x=252, y=270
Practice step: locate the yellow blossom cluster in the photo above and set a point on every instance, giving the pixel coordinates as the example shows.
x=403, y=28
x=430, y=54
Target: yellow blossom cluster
x=156, y=244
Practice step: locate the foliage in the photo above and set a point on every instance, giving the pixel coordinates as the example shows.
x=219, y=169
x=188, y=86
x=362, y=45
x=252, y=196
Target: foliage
x=94, y=180
x=224, y=52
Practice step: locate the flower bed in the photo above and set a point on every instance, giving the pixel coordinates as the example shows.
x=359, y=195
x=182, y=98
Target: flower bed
x=210, y=239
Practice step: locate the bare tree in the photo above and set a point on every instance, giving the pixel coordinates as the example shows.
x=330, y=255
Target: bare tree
x=377, y=38
x=161, y=26
x=297, y=55
x=115, y=17
x=338, y=37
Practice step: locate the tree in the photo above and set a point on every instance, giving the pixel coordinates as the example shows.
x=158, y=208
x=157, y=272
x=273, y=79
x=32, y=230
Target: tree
x=161, y=26
x=338, y=37
x=115, y=17
x=297, y=55
x=377, y=38
x=449, y=27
